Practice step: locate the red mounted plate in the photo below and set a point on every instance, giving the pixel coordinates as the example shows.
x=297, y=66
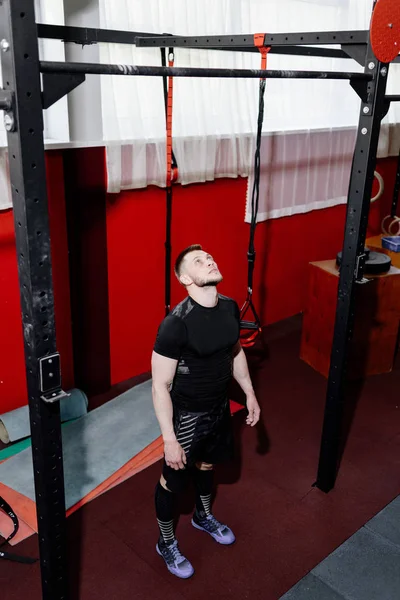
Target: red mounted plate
x=385, y=30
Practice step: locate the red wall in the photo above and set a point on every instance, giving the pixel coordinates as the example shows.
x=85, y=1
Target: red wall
x=12, y=363
x=12, y=366
x=85, y=197
x=211, y=214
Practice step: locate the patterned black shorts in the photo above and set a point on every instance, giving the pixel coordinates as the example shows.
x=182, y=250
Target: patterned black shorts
x=204, y=436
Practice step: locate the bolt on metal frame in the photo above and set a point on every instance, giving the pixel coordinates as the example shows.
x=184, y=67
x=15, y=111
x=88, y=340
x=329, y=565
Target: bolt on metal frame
x=24, y=98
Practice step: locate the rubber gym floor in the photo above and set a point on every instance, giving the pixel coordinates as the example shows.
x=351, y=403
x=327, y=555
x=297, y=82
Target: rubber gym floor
x=284, y=526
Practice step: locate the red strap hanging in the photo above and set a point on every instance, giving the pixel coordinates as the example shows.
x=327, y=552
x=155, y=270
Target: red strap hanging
x=259, y=43
x=172, y=171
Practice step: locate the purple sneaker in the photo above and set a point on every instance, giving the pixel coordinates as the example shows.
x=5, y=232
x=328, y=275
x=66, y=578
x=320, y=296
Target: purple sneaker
x=221, y=533
x=176, y=563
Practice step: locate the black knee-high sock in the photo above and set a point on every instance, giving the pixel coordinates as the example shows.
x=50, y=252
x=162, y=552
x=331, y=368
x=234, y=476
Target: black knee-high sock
x=204, y=485
x=165, y=507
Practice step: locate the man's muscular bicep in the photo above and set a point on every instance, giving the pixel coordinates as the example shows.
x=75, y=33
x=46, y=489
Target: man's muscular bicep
x=163, y=370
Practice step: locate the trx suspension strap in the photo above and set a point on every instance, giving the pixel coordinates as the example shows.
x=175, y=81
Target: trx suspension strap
x=248, y=340
x=171, y=173
x=7, y=555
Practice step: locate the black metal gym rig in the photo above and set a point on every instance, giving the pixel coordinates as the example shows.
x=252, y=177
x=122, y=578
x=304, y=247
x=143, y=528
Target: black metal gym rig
x=30, y=86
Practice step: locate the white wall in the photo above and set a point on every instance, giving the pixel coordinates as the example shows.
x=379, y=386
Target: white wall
x=84, y=103
x=56, y=117
x=56, y=127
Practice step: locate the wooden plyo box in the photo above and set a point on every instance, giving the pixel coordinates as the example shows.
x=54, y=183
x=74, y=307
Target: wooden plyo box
x=376, y=327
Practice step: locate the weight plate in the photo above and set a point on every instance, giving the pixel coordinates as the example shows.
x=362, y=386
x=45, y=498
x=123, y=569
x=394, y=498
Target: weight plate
x=376, y=262
x=339, y=255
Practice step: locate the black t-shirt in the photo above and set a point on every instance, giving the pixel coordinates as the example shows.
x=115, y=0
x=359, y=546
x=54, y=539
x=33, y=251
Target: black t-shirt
x=202, y=340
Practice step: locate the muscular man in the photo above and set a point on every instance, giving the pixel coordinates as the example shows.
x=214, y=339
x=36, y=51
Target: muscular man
x=196, y=353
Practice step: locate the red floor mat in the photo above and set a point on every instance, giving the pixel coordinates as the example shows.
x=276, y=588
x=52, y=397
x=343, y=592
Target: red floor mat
x=284, y=526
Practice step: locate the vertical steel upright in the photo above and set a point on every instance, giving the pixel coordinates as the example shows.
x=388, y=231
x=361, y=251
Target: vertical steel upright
x=373, y=108
x=24, y=124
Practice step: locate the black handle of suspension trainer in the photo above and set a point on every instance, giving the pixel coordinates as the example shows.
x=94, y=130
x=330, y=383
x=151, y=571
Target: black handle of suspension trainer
x=396, y=190
x=251, y=257
x=4, y=506
x=250, y=325
x=26, y=560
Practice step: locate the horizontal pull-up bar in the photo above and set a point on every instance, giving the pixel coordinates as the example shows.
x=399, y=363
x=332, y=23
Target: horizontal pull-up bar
x=393, y=98
x=104, y=69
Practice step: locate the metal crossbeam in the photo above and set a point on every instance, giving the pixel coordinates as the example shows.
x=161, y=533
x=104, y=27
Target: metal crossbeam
x=247, y=40
x=87, y=35
x=104, y=69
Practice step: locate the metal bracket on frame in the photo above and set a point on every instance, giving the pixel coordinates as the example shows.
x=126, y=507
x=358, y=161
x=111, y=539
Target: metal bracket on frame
x=356, y=51
x=360, y=269
x=7, y=102
x=6, y=99
x=57, y=85
x=361, y=89
x=386, y=106
x=50, y=378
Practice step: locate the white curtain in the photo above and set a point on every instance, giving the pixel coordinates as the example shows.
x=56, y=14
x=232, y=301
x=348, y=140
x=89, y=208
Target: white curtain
x=56, y=128
x=301, y=172
x=215, y=119
x=308, y=170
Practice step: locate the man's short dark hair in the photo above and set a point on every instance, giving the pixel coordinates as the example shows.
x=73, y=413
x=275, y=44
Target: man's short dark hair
x=181, y=256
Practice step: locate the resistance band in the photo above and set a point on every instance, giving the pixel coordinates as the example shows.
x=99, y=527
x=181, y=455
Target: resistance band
x=255, y=326
x=172, y=173
x=4, y=506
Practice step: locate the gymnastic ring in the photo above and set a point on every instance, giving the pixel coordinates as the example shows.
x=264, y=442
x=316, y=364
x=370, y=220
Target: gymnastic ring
x=384, y=230
x=381, y=186
x=394, y=220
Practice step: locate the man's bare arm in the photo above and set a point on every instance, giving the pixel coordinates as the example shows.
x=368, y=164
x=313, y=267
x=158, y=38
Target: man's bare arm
x=163, y=371
x=241, y=370
x=242, y=376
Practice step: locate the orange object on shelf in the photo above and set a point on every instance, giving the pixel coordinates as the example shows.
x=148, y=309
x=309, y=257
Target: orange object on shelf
x=376, y=326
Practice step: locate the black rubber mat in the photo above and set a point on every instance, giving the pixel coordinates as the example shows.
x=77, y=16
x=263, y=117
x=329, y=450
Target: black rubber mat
x=365, y=567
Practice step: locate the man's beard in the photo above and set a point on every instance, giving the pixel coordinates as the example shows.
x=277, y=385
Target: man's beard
x=209, y=282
